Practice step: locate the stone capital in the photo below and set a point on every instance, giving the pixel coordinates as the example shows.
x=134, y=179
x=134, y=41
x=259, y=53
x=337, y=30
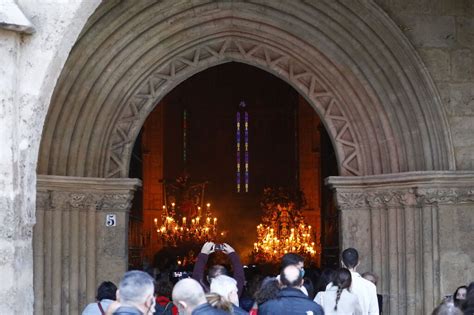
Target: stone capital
x=62, y=192
x=411, y=189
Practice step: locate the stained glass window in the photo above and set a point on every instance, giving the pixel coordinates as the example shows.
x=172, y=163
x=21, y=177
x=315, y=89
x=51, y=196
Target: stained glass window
x=242, y=147
x=185, y=136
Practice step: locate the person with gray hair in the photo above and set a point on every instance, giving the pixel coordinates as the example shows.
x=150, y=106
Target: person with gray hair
x=226, y=287
x=189, y=298
x=135, y=294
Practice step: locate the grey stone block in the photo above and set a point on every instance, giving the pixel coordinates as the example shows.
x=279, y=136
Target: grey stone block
x=465, y=31
x=462, y=130
x=462, y=65
x=464, y=161
x=428, y=31
x=437, y=62
x=461, y=99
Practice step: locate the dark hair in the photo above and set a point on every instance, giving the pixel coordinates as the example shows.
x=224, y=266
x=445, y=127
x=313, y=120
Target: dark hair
x=290, y=259
x=469, y=301
x=106, y=290
x=457, y=301
x=216, y=270
x=164, y=287
x=308, y=284
x=350, y=257
x=326, y=276
x=342, y=280
x=268, y=290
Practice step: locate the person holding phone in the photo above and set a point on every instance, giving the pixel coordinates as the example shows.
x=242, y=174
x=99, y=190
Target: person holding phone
x=216, y=270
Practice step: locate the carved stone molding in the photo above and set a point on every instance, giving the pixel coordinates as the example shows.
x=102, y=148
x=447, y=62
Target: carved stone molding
x=217, y=51
x=351, y=200
x=446, y=196
x=62, y=193
x=116, y=202
x=414, y=189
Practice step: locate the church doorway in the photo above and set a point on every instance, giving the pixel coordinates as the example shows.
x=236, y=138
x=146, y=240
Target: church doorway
x=233, y=131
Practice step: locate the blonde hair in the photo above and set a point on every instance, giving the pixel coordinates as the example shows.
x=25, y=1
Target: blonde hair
x=219, y=302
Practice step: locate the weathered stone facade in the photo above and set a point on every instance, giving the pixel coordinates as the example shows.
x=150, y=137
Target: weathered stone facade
x=354, y=63
x=73, y=248
x=411, y=229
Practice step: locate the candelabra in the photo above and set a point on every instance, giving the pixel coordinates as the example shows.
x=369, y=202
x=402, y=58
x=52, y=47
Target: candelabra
x=284, y=232
x=177, y=229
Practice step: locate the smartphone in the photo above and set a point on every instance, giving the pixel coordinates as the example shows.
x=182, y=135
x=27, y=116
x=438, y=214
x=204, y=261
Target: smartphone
x=219, y=247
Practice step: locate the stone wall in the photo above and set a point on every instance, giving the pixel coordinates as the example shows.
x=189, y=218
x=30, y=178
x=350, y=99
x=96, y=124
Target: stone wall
x=412, y=229
x=74, y=249
x=29, y=67
x=442, y=32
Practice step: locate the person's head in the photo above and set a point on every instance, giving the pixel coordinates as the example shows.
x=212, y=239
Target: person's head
x=342, y=280
x=218, y=301
x=187, y=295
x=164, y=287
x=308, y=284
x=226, y=287
x=326, y=277
x=447, y=308
x=469, y=301
x=214, y=271
x=372, y=277
x=106, y=290
x=136, y=289
x=350, y=258
x=268, y=290
x=460, y=294
x=291, y=277
x=292, y=259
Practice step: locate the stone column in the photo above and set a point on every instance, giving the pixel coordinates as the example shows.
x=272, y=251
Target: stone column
x=73, y=249
x=413, y=230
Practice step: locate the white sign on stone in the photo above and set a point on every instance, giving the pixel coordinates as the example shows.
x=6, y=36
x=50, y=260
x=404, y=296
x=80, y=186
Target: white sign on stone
x=110, y=219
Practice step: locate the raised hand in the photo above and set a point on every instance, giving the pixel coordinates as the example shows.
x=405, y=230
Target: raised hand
x=228, y=249
x=207, y=248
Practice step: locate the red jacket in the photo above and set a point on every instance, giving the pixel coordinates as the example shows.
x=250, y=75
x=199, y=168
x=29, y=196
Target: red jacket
x=163, y=300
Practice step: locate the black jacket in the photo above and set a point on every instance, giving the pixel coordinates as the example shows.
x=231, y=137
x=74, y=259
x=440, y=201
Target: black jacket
x=290, y=301
x=206, y=309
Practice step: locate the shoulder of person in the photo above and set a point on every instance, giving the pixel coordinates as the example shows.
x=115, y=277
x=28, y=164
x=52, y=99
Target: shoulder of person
x=369, y=284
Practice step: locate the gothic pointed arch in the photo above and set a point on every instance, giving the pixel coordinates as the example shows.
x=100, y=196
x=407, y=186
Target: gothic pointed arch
x=349, y=60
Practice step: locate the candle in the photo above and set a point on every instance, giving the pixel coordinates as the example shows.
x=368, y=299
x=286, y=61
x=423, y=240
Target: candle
x=184, y=220
x=156, y=220
x=215, y=220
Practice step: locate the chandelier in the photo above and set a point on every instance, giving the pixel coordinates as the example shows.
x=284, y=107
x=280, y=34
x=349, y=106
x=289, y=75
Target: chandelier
x=185, y=221
x=175, y=229
x=283, y=229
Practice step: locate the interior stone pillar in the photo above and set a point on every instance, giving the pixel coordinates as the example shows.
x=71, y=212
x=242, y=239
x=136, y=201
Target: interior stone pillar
x=413, y=230
x=73, y=249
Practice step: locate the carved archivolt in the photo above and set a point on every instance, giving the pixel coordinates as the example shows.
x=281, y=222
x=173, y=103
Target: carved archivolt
x=221, y=50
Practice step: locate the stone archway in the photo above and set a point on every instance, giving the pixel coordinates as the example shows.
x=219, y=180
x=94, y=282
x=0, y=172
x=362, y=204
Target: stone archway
x=349, y=61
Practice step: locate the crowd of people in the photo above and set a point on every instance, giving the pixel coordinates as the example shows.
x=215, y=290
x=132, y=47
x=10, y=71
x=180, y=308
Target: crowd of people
x=293, y=290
